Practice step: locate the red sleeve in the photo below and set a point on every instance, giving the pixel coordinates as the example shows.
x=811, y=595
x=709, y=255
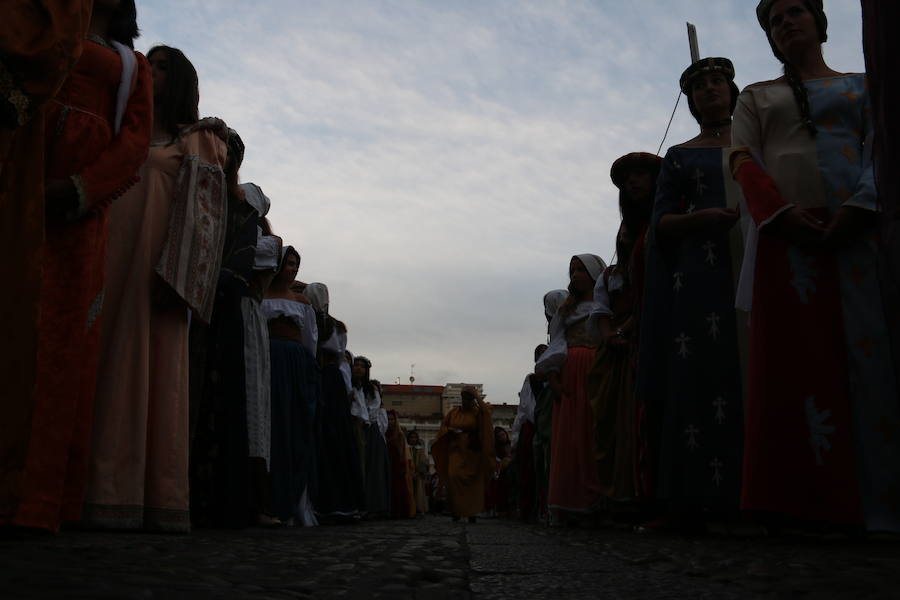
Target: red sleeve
x=764, y=201
x=115, y=169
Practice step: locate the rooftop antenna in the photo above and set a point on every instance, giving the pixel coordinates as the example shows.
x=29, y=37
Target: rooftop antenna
x=695, y=56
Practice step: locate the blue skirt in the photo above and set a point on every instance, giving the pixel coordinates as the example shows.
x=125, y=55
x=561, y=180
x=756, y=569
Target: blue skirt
x=340, y=486
x=296, y=388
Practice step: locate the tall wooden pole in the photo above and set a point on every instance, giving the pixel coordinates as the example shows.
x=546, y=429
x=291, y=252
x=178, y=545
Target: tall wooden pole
x=692, y=40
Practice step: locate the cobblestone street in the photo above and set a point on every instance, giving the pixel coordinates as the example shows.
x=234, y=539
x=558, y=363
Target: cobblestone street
x=435, y=558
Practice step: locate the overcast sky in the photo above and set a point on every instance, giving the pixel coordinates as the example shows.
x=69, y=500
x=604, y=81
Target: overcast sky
x=438, y=162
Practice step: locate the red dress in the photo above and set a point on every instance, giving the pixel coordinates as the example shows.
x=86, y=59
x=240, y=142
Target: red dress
x=39, y=44
x=574, y=481
x=81, y=144
x=400, y=465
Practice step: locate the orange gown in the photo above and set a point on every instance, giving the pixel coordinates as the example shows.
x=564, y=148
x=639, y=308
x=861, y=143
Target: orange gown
x=464, y=457
x=36, y=54
x=80, y=144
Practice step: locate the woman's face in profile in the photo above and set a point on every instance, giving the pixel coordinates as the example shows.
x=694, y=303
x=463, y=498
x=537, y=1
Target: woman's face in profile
x=579, y=278
x=359, y=369
x=289, y=268
x=159, y=66
x=638, y=185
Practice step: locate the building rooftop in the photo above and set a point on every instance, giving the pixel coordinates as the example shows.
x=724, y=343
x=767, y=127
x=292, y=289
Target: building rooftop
x=394, y=388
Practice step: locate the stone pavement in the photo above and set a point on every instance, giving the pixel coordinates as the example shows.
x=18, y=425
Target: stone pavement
x=432, y=557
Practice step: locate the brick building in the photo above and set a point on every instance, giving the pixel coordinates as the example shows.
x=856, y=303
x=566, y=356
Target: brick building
x=422, y=407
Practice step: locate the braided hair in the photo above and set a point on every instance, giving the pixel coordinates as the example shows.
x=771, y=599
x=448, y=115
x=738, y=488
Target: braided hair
x=801, y=97
x=790, y=73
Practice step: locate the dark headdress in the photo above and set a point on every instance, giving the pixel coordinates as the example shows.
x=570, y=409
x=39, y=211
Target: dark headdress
x=703, y=66
x=634, y=160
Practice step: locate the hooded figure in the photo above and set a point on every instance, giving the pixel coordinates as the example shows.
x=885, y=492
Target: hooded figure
x=268, y=247
x=257, y=363
x=552, y=301
x=296, y=395
x=318, y=296
x=555, y=355
x=573, y=485
x=341, y=491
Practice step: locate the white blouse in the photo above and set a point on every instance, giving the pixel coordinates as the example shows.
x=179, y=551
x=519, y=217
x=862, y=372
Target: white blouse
x=337, y=343
x=601, y=302
x=369, y=409
x=301, y=314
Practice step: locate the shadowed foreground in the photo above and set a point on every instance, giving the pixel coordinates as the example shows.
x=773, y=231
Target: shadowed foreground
x=434, y=558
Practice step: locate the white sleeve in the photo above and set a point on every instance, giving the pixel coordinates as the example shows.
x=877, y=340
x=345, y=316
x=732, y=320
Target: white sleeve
x=268, y=252
x=526, y=402
x=602, y=309
x=381, y=418
x=601, y=297
x=347, y=374
x=358, y=407
x=554, y=356
x=310, y=332
x=333, y=343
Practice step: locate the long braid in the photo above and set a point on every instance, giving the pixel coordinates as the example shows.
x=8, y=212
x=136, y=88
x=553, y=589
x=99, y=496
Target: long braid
x=790, y=73
x=801, y=96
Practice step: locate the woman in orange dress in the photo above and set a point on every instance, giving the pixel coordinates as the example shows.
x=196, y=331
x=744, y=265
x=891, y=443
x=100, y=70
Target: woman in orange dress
x=138, y=474
x=419, y=474
x=97, y=136
x=402, y=502
x=464, y=455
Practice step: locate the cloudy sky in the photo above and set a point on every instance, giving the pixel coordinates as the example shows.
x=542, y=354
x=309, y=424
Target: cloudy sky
x=438, y=162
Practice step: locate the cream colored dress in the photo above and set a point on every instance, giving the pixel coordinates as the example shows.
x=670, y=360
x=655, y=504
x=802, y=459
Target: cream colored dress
x=139, y=464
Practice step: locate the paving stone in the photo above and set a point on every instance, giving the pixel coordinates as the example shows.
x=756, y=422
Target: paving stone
x=433, y=558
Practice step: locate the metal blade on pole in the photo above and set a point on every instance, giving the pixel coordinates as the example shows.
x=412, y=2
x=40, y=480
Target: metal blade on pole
x=692, y=40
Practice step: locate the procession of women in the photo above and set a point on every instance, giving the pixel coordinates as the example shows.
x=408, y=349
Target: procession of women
x=166, y=366
x=734, y=362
